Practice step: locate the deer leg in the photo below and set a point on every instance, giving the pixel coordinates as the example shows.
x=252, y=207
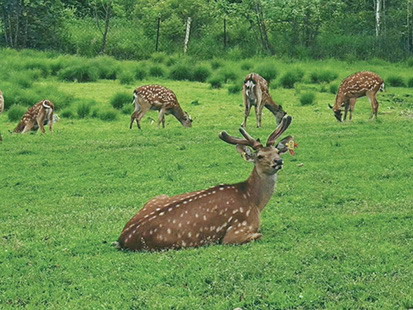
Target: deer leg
x=161, y=117
x=247, y=113
x=352, y=104
x=374, y=104
x=239, y=236
x=258, y=112
x=27, y=127
x=145, y=107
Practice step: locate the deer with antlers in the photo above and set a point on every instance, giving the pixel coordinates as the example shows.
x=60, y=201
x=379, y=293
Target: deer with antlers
x=157, y=97
x=227, y=214
x=355, y=86
x=38, y=115
x=1, y=102
x=256, y=93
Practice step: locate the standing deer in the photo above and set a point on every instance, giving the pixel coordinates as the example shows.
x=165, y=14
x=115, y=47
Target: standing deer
x=256, y=93
x=156, y=97
x=227, y=214
x=1, y=102
x=355, y=86
x=36, y=117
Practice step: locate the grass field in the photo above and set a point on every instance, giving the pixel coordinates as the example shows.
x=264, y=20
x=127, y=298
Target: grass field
x=338, y=233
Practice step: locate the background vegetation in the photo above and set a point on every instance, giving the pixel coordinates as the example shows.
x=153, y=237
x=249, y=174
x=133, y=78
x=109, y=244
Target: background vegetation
x=128, y=29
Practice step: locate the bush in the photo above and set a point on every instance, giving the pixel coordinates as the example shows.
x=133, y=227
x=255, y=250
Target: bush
x=216, y=81
x=291, y=77
x=228, y=75
x=67, y=113
x=15, y=113
x=323, y=76
x=108, y=115
x=79, y=73
x=307, y=98
x=157, y=71
x=201, y=73
x=21, y=78
x=410, y=62
x=83, y=108
x=267, y=71
x=246, y=65
x=216, y=63
x=234, y=88
x=181, y=71
x=128, y=109
x=159, y=57
x=119, y=100
x=333, y=88
x=396, y=81
x=126, y=77
x=106, y=67
x=410, y=82
x=140, y=72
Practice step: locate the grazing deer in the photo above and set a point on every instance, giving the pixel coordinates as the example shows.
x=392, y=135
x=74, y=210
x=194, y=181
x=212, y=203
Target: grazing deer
x=1, y=102
x=256, y=93
x=355, y=86
x=227, y=214
x=156, y=97
x=36, y=117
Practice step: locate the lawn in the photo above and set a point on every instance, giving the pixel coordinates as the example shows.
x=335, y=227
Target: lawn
x=337, y=233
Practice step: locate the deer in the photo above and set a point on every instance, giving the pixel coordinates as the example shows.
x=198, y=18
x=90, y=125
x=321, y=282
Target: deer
x=358, y=85
x=1, y=102
x=256, y=93
x=157, y=97
x=224, y=214
x=36, y=117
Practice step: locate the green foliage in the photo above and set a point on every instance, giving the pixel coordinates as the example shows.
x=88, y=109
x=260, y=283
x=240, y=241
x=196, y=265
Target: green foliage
x=334, y=88
x=410, y=62
x=79, y=73
x=201, y=73
x=181, y=71
x=16, y=112
x=267, y=70
x=323, y=76
x=84, y=108
x=410, y=82
x=235, y=88
x=216, y=81
x=289, y=78
x=396, y=81
x=157, y=71
x=126, y=77
x=108, y=115
x=140, y=72
x=307, y=98
x=67, y=113
x=246, y=65
x=120, y=99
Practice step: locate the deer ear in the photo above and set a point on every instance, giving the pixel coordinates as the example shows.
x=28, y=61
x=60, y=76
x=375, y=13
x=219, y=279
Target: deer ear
x=246, y=152
x=286, y=144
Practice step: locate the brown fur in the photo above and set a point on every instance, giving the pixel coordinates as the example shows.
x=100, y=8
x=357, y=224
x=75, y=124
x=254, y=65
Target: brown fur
x=156, y=97
x=259, y=97
x=358, y=85
x=227, y=214
x=36, y=117
x=1, y=102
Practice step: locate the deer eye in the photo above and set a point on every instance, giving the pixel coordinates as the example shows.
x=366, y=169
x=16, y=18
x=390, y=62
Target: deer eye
x=260, y=156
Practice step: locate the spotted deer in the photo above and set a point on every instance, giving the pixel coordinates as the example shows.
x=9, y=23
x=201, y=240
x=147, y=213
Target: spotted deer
x=1, y=102
x=226, y=214
x=355, y=86
x=36, y=117
x=256, y=93
x=157, y=97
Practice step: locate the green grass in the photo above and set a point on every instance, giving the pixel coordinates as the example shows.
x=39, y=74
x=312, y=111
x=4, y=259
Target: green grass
x=336, y=235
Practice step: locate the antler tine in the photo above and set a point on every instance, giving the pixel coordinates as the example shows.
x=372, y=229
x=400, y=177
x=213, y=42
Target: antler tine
x=253, y=142
x=233, y=140
x=285, y=123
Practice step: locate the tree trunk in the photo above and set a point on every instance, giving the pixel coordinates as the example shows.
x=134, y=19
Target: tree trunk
x=188, y=30
x=157, y=34
x=378, y=17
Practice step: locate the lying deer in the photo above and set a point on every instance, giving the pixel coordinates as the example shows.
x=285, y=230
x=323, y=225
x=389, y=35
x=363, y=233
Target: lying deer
x=355, y=86
x=227, y=214
x=37, y=116
x=1, y=102
x=156, y=97
x=256, y=93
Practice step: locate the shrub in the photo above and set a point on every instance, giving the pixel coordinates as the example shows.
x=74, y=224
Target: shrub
x=16, y=112
x=201, y=73
x=410, y=62
x=128, y=109
x=396, y=81
x=216, y=81
x=410, y=82
x=120, y=99
x=181, y=71
x=246, y=65
x=333, y=88
x=140, y=72
x=22, y=79
x=234, y=88
x=159, y=57
x=83, y=108
x=291, y=77
x=216, y=63
x=157, y=71
x=108, y=115
x=126, y=77
x=106, y=67
x=67, y=113
x=307, y=98
x=267, y=71
x=228, y=74
x=79, y=73
x=42, y=65
x=323, y=76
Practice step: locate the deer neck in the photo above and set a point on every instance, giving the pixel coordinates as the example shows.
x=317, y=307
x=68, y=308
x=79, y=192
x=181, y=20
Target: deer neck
x=339, y=101
x=260, y=187
x=178, y=113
